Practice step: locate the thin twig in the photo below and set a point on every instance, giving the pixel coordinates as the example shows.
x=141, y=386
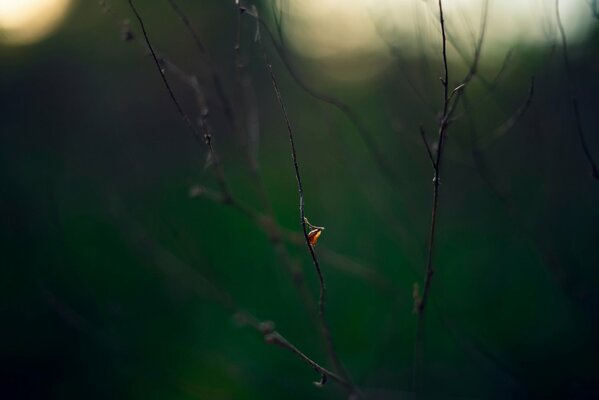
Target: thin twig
x=445, y=81
x=267, y=223
x=395, y=51
x=277, y=339
x=275, y=232
x=427, y=146
x=511, y=121
x=382, y=164
x=420, y=302
x=448, y=109
x=322, y=297
x=437, y=167
x=502, y=69
x=207, y=137
x=480, y=162
x=171, y=265
x=573, y=99
x=216, y=80
x=270, y=223
x=162, y=75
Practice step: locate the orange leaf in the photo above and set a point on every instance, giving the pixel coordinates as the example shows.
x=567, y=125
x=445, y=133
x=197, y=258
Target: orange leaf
x=314, y=235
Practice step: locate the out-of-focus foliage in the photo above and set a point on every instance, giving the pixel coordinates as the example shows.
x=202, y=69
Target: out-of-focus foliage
x=104, y=253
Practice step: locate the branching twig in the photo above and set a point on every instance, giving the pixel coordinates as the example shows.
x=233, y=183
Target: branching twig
x=436, y=167
x=207, y=137
x=270, y=227
x=216, y=80
x=366, y=136
x=322, y=297
x=226, y=197
x=511, y=121
x=573, y=99
x=427, y=146
x=448, y=109
x=195, y=281
x=420, y=300
x=480, y=162
x=502, y=69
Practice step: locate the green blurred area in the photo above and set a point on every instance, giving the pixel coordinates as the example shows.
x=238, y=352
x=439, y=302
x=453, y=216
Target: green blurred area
x=104, y=252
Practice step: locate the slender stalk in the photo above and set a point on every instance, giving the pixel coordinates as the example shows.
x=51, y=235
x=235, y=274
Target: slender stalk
x=450, y=102
x=207, y=137
x=427, y=146
x=429, y=271
x=514, y=118
x=384, y=167
x=216, y=80
x=228, y=199
x=273, y=230
x=322, y=296
x=270, y=227
x=420, y=301
x=192, y=280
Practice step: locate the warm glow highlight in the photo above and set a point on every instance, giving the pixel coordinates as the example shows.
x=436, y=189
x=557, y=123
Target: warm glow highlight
x=27, y=21
x=342, y=33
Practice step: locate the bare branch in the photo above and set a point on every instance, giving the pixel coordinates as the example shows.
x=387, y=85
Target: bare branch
x=511, y=121
x=502, y=69
x=191, y=279
x=277, y=339
x=207, y=137
x=265, y=222
x=448, y=109
x=216, y=80
x=322, y=298
x=366, y=136
x=427, y=146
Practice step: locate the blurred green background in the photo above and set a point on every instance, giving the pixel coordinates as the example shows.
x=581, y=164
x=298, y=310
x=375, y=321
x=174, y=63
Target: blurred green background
x=105, y=256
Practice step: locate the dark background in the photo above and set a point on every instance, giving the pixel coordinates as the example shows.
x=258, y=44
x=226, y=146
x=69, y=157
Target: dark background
x=105, y=255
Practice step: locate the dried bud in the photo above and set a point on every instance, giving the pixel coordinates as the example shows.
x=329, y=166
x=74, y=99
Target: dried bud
x=313, y=236
x=266, y=327
x=322, y=381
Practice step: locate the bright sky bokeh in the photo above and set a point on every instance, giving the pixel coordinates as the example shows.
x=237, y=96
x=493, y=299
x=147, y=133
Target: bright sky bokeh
x=326, y=30
x=28, y=21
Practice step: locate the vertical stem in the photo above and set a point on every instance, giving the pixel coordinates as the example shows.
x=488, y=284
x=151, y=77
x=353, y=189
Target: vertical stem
x=322, y=297
x=429, y=272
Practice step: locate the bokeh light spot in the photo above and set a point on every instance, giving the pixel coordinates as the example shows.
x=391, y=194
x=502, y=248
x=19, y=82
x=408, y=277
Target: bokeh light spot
x=28, y=21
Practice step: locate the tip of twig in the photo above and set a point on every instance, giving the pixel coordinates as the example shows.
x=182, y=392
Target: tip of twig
x=322, y=381
x=266, y=327
x=460, y=87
